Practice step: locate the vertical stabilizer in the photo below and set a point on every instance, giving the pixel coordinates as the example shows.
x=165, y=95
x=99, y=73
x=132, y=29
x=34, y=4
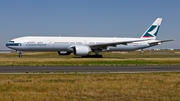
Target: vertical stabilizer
x=151, y=32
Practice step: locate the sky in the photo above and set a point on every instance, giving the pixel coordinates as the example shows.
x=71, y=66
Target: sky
x=98, y=18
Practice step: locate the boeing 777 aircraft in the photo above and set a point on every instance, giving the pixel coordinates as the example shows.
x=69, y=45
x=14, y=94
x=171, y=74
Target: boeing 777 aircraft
x=83, y=46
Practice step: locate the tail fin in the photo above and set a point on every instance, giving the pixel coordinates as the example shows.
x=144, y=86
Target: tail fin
x=152, y=31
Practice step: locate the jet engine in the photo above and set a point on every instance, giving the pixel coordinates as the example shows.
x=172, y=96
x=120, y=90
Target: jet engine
x=81, y=50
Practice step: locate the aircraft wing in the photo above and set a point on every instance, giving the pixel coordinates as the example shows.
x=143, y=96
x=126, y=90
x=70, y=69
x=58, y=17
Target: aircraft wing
x=104, y=45
x=160, y=41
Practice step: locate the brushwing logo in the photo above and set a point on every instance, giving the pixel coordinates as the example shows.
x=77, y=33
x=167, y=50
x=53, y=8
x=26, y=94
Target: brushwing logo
x=152, y=32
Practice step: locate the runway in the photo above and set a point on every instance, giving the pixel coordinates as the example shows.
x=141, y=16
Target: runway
x=113, y=69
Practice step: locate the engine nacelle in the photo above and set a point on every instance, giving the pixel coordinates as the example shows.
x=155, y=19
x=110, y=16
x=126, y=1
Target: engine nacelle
x=64, y=53
x=81, y=50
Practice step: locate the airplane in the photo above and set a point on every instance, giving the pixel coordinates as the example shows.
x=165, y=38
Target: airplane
x=84, y=46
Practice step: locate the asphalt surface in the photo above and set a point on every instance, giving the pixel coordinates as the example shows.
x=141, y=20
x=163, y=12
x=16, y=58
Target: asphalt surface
x=121, y=69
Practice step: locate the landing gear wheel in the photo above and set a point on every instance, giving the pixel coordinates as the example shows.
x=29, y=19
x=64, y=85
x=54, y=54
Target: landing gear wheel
x=97, y=56
x=92, y=56
x=20, y=56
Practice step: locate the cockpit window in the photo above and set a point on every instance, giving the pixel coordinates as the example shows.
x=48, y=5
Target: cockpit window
x=11, y=41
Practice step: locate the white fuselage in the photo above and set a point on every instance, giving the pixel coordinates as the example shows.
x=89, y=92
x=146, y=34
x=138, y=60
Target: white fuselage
x=49, y=43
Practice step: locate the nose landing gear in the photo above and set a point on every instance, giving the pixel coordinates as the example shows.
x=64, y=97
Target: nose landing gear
x=19, y=53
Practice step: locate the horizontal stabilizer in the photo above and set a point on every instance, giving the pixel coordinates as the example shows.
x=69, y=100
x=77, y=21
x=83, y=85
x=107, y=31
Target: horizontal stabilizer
x=159, y=42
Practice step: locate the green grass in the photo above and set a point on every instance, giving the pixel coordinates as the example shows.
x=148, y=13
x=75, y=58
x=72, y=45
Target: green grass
x=110, y=59
x=93, y=87
x=96, y=87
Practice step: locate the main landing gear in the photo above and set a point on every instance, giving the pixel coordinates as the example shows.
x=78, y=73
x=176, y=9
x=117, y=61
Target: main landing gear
x=93, y=56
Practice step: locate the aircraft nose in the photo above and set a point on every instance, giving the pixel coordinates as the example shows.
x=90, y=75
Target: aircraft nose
x=9, y=45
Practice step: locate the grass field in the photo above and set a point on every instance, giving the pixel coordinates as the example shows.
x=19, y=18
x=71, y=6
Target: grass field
x=90, y=87
x=109, y=59
x=93, y=86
